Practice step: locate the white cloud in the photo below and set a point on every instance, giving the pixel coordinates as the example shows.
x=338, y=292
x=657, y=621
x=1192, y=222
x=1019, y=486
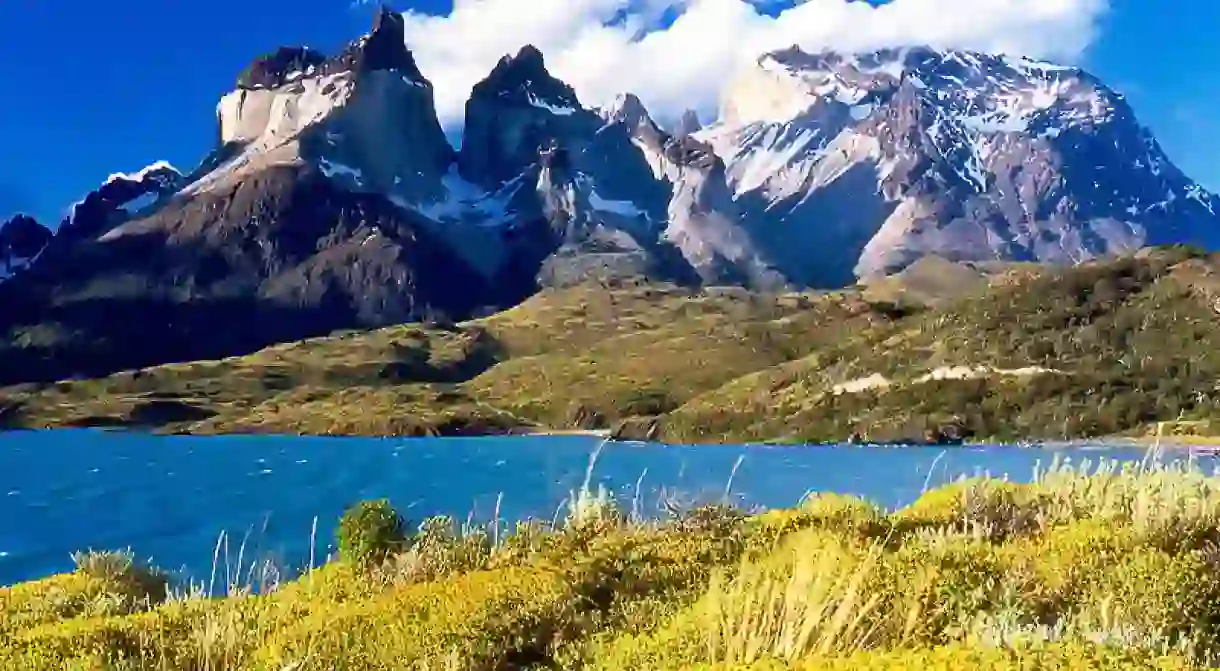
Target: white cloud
x=605, y=47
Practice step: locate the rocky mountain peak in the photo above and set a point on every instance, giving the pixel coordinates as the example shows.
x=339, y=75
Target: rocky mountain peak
x=523, y=78
x=527, y=57
x=968, y=155
x=515, y=112
x=383, y=48
x=688, y=124
x=628, y=110
x=986, y=92
x=280, y=66
x=387, y=21
x=158, y=176
x=22, y=237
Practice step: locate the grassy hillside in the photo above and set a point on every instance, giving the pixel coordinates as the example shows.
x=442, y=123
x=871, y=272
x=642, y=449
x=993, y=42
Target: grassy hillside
x=1005, y=352
x=1089, y=351
x=1113, y=569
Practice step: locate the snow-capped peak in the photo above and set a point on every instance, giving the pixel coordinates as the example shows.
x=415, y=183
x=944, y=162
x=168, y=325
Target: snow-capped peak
x=985, y=92
x=961, y=153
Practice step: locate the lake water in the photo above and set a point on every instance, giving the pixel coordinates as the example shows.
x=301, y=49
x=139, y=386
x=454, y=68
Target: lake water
x=169, y=498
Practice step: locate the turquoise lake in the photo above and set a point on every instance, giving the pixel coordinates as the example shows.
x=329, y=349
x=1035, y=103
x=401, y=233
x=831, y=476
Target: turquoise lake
x=168, y=498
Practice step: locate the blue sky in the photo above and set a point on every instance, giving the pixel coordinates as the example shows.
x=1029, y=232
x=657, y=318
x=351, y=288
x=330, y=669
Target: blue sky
x=95, y=88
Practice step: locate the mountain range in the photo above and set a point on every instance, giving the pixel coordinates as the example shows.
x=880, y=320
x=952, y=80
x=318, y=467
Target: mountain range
x=333, y=199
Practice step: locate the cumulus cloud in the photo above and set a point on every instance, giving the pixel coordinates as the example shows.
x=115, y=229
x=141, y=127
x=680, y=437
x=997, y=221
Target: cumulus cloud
x=679, y=54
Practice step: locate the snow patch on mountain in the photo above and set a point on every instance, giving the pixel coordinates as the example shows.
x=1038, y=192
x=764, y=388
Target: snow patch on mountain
x=625, y=208
x=561, y=110
x=144, y=173
x=142, y=201
x=334, y=169
x=463, y=200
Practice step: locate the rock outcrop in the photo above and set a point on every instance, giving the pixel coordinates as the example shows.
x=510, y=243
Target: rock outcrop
x=22, y=239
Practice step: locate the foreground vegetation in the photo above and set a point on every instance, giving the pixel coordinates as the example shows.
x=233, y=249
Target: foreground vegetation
x=1006, y=352
x=1106, y=568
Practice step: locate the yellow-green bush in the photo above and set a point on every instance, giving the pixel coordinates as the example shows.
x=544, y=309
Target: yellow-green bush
x=1067, y=560
x=1155, y=599
x=979, y=507
x=941, y=587
x=477, y=621
x=104, y=583
x=834, y=512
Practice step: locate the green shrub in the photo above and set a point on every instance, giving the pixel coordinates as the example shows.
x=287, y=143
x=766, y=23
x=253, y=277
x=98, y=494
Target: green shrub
x=369, y=532
x=647, y=402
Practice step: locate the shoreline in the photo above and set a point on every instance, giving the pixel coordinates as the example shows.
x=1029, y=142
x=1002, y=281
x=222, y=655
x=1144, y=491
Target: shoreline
x=1173, y=443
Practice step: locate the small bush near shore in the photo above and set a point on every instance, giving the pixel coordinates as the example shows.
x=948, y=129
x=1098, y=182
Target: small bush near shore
x=1090, y=567
x=369, y=532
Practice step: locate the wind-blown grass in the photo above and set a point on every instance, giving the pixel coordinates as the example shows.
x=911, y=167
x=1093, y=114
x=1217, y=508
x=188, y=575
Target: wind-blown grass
x=1091, y=566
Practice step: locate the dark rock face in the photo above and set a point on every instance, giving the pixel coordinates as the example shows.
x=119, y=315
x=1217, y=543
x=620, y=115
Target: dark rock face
x=522, y=76
x=22, y=237
x=272, y=70
x=513, y=114
x=689, y=123
x=594, y=189
x=282, y=256
x=384, y=48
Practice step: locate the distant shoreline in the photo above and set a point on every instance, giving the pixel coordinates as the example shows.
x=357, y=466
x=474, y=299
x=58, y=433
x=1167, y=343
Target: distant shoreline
x=1175, y=443
x=550, y=433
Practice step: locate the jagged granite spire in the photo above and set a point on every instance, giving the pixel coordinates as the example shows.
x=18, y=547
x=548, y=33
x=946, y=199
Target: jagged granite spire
x=22, y=237
x=518, y=109
x=527, y=56
x=688, y=124
x=523, y=77
x=383, y=48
